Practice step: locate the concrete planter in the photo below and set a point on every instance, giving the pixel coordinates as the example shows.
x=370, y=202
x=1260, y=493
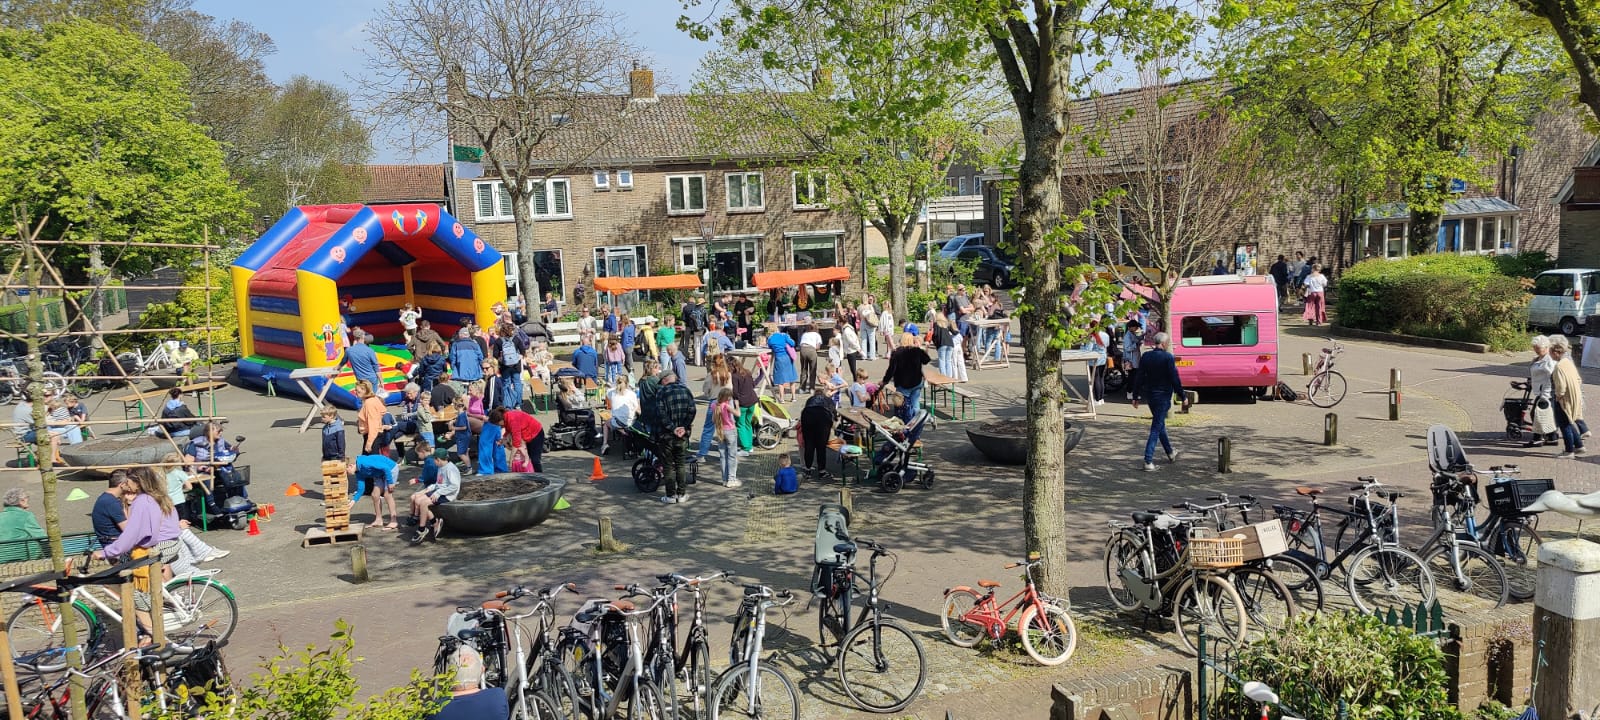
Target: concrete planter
x=115, y=450
x=501, y=515
x=1008, y=448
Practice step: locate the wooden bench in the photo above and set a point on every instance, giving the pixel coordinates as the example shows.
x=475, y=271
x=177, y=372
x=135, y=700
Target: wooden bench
x=967, y=400
x=133, y=403
x=31, y=556
x=540, y=394
x=563, y=333
x=25, y=456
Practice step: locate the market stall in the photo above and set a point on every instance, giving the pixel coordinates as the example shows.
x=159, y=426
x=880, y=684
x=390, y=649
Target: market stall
x=812, y=302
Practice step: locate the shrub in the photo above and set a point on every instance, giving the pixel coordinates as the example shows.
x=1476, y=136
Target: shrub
x=1451, y=297
x=1378, y=671
x=1525, y=264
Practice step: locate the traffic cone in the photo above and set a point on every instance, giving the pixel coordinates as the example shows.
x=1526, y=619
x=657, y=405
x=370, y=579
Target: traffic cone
x=294, y=490
x=597, y=475
x=254, y=530
x=562, y=504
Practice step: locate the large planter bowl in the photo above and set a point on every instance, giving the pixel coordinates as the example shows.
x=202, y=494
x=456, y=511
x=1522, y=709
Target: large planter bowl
x=115, y=450
x=501, y=515
x=1012, y=448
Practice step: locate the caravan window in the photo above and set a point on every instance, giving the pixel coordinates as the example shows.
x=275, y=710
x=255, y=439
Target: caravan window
x=1214, y=330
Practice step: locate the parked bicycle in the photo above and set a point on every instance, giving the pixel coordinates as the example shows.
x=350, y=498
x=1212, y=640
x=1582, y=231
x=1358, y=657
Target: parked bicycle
x=137, y=362
x=1453, y=553
x=693, y=664
x=1379, y=574
x=751, y=688
x=513, y=659
x=1150, y=566
x=1511, y=533
x=1047, y=631
x=1270, y=586
x=1327, y=386
x=604, y=651
x=881, y=664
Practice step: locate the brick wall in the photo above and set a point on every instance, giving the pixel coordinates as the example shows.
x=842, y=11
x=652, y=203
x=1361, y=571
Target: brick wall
x=1557, y=142
x=620, y=217
x=1580, y=238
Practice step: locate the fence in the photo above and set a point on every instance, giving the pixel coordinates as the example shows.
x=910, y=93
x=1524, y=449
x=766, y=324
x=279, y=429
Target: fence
x=52, y=312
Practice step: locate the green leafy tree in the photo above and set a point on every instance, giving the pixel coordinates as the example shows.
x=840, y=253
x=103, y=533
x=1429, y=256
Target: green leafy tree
x=1388, y=99
x=1577, y=25
x=198, y=308
x=310, y=148
x=97, y=140
x=878, y=96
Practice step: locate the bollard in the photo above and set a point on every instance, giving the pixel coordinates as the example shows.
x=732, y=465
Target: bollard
x=1394, y=404
x=1566, y=623
x=1306, y=368
x=1330, y=429
x=358, y=563
x=1224, y=455
x=846, y=502
x=1394, y=378
x=608, y=543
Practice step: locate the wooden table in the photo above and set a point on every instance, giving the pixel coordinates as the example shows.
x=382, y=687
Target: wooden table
x=133, y=403
x=866, y=418
x=937, y=384
x=1071, y=361
x=302, y=377
x=997, y=345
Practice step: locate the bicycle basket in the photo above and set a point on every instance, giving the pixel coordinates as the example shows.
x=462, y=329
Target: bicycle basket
x=1212, y=553
x=1507, y=499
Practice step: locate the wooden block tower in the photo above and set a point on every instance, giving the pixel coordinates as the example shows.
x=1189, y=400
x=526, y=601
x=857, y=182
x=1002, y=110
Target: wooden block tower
x=335, y=496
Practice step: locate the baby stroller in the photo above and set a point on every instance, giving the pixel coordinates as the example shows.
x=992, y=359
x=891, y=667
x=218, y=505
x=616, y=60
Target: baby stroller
x=1518, y=409
x=893, y=458
x=772, y=423
x=573, y=429
x=648, y=470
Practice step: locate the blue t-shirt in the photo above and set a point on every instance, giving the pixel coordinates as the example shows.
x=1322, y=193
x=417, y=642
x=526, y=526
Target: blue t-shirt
x=485, y=704
x=378, y=468
x=106, y=514
x=363, y=363
x=786, y=481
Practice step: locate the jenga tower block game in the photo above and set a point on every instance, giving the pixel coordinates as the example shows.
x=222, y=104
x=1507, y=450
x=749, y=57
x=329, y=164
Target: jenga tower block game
x=335, y=496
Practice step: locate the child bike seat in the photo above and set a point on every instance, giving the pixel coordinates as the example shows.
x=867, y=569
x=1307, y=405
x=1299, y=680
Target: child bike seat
x=988, y=584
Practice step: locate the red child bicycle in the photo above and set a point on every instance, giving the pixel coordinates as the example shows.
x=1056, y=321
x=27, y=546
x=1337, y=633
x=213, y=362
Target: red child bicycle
x=1046, y=629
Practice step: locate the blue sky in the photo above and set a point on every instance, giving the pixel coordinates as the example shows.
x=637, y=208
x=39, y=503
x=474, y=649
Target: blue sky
x=322, y=40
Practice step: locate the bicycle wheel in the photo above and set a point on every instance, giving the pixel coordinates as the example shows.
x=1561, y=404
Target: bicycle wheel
x=1124, y=562
x=1481, y=576
x=767, y=437
x=555, y=682
x=38, y=635
x=1302, y=581
x=643, y=703
x=773, y=697
x=961, y=632
x=54, y=383
x=1209, y=603
x=831, y=617
x=881, y=666
x=200, y=610
x=578, y=662
x=645, y=475
x=1388, y=578
x=664, y=674
x=1267, y=600
x=697, y=677
x=1050, y=637
x=540, y=706
x=1327, y=390
x=1517, y=545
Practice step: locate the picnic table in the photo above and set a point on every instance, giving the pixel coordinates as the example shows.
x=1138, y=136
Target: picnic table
x=1071, y=361
x=302, y=377
x=939, y=385
x=993, y=354
x=133, y=402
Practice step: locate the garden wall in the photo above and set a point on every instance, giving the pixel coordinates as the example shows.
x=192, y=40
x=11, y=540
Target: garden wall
x=1489, y=656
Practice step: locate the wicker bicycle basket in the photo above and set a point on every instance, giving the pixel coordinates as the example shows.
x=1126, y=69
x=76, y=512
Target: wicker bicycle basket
x=1213, y=553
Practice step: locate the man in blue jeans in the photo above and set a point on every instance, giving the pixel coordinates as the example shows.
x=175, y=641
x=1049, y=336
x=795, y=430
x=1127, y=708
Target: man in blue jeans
x=1158, y=382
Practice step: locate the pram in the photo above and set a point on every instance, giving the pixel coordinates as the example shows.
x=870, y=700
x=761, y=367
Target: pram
x=1518, y=409
x=648, y=470
x=573, y=429
x=893, y=458
x=772, y=422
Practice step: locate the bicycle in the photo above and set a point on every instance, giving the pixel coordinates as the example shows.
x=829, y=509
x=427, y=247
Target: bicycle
x=1454, y=554
x=1269, y=600
x=1047, y=631
x=136, y=362
x=1511, y=534
x=1327, y=386
x=693, y=664
x=745, y=689
x=532, y=679
x=196, y=609
x=174, y=678
x=1168, y=579
x=1390, y=576
x=606, y=660
x=883, y=648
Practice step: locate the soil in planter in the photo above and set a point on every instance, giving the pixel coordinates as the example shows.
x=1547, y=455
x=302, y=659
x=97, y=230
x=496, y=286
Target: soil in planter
x=1005, y=427
x=499, y=488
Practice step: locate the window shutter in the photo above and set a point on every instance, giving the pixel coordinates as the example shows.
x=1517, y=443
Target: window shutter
x=561, y=202
x=485, y=193
x=540, y=202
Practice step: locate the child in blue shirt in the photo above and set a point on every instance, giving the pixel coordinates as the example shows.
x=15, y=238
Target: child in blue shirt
x=491, y=452
x=786, y=481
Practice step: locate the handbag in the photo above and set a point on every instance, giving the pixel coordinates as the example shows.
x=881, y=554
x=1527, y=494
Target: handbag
x=1544, y=417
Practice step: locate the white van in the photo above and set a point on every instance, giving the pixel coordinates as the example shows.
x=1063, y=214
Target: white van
x=1565, y=299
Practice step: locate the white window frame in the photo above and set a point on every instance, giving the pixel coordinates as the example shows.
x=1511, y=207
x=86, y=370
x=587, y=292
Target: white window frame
x=961, y=185
x=686, y=209
x=624, y=179
x=497, y=200
x=550, y=212
x=602, y=180
x=791, y=238
x=744, y=182
x=811, y=186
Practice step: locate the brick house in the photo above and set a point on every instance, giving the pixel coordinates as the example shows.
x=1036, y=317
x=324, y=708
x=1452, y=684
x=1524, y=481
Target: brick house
x=648, y=202
x=1517, y=211
x=1579, y=201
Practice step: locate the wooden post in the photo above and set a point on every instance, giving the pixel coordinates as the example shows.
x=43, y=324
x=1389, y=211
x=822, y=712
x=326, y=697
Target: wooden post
x=846, y=501
x=8, y=674
x=158, y=629
x=130, y=638
x=1330, y=429
x=358, y=563
x=1306, y=368
x=1224, y=455
x=608, y=543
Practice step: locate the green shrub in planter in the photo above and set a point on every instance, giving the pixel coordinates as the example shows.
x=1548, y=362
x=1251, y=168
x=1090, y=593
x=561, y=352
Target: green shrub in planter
x=1525, y=264
x=1380, y=672
x=1452, y=297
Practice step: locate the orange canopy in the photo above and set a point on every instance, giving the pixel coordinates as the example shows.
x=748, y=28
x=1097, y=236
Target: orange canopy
x=685, y=281
x=789, y=278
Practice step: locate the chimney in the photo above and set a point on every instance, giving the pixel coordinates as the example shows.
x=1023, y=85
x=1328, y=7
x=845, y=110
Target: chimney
x=641, y=84
x=1585, y=184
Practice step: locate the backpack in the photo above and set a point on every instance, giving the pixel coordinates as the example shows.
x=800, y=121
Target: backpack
x=508, y=352
x=693, y=319
x=1286, y=393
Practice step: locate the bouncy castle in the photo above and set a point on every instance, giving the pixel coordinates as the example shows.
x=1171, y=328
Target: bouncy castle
x=325, y=268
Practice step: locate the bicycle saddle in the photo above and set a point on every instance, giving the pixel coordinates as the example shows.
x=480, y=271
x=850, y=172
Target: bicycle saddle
x=1160, y=521
x=988, y=584
x=495, y=605
x=621, y=606
x=845, y=548
x=1309, y=491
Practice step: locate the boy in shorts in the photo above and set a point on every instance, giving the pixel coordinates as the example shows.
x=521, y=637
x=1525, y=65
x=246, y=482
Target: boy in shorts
x=443, y=490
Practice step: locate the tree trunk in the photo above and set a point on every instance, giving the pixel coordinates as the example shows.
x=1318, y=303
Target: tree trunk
x=1424, y=233
x=1579, y=39
x=1044, y=489
x=897, y=232
x=525, y=263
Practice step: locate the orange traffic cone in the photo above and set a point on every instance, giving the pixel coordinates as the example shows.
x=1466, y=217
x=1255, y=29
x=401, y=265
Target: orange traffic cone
x=265, y=511
x=253, y=529
x=294, y=490
x=598, y=474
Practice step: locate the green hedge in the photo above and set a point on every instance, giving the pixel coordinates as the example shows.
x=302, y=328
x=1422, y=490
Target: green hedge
x=1451, y=297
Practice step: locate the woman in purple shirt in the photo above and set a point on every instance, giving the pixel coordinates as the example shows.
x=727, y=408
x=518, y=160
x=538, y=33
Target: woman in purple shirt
x=152, y=525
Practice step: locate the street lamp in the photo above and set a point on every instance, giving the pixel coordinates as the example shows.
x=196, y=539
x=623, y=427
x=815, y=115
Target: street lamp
x=708, y=230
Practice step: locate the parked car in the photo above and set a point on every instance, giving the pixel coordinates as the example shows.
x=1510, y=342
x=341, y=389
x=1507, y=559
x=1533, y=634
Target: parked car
x=993, y=267
x=955, y=244
x=1565, y=299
